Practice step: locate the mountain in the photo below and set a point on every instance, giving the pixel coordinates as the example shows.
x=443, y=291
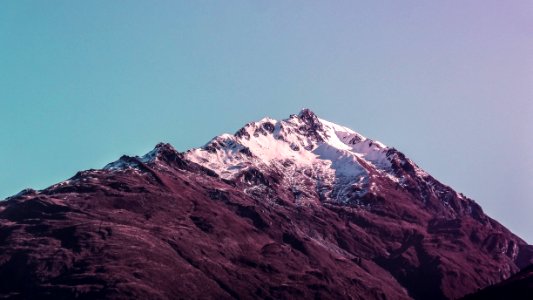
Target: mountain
x=291, y=209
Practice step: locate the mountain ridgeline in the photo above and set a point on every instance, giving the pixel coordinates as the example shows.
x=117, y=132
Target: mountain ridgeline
x=300, y=208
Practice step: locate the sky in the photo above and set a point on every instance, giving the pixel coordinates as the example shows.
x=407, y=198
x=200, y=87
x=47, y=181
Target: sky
x=449, y=83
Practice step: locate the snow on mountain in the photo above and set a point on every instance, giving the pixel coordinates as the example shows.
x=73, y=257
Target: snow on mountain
x=315, y=156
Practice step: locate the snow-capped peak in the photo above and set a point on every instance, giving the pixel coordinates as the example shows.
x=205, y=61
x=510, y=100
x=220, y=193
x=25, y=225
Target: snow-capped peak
x=307, y=144
x=316, y=159
x=302, y=138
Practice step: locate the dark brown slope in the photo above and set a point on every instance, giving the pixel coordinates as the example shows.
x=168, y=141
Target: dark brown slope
x=518, y=287
x=174, y=230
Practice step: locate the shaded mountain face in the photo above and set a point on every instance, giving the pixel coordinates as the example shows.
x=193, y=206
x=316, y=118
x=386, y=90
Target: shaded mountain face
x=298, y=208
x=517, y=287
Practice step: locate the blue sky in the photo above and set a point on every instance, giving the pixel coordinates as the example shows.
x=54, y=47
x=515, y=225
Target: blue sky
x=448, y=83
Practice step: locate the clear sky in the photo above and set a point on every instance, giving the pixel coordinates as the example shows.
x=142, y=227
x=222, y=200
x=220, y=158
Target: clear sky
x=449, y=83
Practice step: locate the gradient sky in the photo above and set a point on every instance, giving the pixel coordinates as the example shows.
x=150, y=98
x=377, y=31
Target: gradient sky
x=449, y=83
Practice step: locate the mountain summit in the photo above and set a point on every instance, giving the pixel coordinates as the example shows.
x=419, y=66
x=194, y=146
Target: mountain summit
x=292, y=209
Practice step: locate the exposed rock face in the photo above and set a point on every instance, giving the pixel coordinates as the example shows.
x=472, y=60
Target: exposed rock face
x=299, y=208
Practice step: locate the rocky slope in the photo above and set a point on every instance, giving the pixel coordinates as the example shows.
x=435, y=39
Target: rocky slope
x=298, y=208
